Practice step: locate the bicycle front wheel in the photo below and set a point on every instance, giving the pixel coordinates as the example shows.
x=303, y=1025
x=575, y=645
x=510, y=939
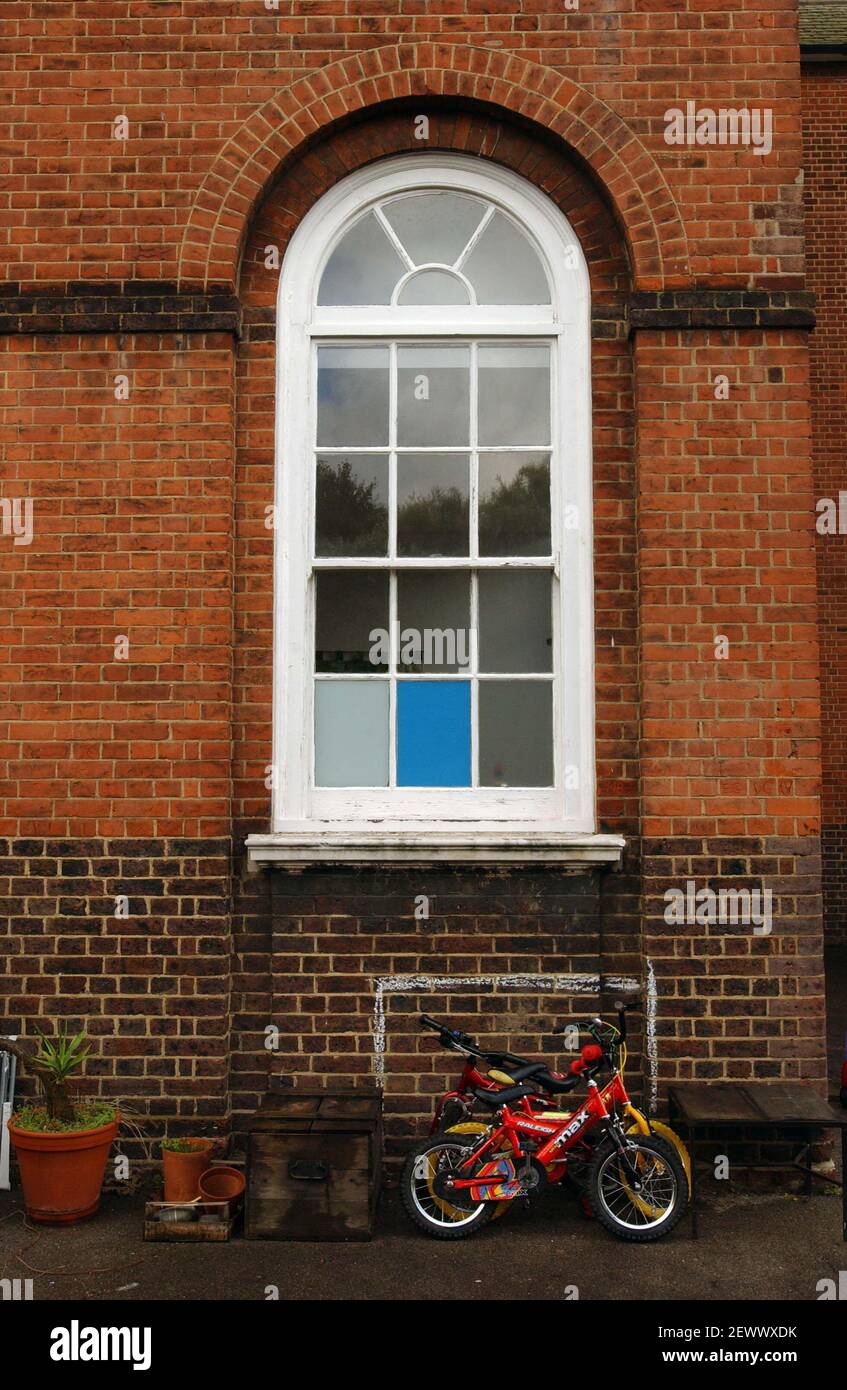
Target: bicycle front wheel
x=643, y=1207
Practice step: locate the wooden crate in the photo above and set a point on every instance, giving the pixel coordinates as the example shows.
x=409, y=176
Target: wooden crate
x=314, y=1163
x=192, y=1230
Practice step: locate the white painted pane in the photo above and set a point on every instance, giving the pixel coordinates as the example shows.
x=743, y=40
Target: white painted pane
x=504, y=267
x=351, y=733
x=515, y=621
x=514, y=395
x=434, y=287
x=434, y=226
x=433, y=396
x=363, y=268
x=514, y=504
x=351, y=503
x=432, y=504
x=515, y=733
x=353, y=396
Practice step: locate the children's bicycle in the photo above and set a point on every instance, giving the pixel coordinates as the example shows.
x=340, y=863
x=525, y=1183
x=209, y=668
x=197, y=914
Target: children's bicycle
x=637, y=1185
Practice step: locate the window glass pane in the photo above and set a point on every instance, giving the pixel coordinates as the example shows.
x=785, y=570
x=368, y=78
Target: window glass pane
x=351, y=505
x=434, y=287
x=435, y=226
x=504, y=267
x=434, y=616
x=514, y=395
x=351, y=625
x=515, y=733
x=432, y=504
x=433, y=395
x=351, y=733
x=363, y=268
x=514, y=504
x=433, y=733
x=353, y=387
x=515, y=627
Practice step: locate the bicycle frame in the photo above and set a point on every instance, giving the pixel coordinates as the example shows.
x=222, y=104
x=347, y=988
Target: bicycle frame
x=561, y=1135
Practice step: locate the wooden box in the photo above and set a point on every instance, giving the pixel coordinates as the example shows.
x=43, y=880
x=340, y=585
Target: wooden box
x=314, y=1161
x=220, y=1227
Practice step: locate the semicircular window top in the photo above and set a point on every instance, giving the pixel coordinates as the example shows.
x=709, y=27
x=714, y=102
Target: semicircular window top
x=434, y=248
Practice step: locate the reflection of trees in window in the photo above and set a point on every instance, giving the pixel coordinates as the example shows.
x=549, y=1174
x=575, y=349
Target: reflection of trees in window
x=351, y=518
x=433, y=524
x=514, y=518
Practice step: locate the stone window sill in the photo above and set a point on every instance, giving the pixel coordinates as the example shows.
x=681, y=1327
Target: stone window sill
x=299, y=848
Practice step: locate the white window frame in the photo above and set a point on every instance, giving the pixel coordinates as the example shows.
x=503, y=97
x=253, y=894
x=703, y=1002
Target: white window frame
x=347, y=824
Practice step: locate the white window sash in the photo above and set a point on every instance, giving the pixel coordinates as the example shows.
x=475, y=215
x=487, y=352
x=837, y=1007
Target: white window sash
x=296, y=803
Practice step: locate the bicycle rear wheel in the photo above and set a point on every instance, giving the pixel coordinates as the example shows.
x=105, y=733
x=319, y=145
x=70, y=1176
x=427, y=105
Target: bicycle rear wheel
x=428, y=1161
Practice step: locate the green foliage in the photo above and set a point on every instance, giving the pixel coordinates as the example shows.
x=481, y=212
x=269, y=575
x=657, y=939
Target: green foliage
x=515, y=518
x=351, y=520
x=89, y=1115
x=182, y=1146
x=436, y=524
x=62, y=1056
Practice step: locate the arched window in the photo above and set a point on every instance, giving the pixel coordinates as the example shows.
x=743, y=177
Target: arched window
x=433, y=664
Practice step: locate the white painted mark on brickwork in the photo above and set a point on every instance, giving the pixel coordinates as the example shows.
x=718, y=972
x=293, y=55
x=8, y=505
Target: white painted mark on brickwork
x=425, y=984
x=650, y=1038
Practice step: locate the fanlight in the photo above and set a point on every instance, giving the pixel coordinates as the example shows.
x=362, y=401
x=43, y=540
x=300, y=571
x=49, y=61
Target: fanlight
x=434, y=248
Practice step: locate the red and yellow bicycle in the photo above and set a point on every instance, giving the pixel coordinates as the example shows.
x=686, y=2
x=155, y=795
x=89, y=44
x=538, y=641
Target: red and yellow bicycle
x=637, y=1185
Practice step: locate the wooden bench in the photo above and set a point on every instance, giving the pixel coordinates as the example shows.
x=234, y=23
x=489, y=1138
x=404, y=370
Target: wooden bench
x=770, y=1106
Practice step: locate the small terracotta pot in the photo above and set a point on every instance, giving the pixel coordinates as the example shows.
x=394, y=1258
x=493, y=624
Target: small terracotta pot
x=182, y=1170
x=222, y=1184
x=62, y=1174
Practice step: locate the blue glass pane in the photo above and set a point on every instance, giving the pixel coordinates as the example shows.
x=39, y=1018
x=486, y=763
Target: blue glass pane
x=433, y=733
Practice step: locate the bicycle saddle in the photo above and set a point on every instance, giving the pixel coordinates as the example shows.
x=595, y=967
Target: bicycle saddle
x=497, y=1098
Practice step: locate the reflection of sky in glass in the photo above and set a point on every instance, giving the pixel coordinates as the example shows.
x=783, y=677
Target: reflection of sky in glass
x=434, y=287
x=514, y=395
x=435, y=226
x=363, y=268
x=504, y=268
x=433, y=395
x=353, y=396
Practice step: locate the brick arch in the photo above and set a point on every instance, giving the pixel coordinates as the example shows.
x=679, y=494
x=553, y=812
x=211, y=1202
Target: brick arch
x=296, y=116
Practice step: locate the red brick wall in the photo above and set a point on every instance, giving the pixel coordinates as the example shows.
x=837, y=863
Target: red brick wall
x=191, y=75
x=825, y=166
x=150, y=523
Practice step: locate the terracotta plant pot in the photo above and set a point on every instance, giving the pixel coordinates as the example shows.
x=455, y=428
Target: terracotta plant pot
x=183, y=1170
x=222, y=1184
x=62, y=1174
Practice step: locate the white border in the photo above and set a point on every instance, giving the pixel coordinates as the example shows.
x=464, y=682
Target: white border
x=545, y=984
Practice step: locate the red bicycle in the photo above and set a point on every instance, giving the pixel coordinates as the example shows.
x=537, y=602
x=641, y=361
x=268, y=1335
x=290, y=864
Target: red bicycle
x=452, y=1183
